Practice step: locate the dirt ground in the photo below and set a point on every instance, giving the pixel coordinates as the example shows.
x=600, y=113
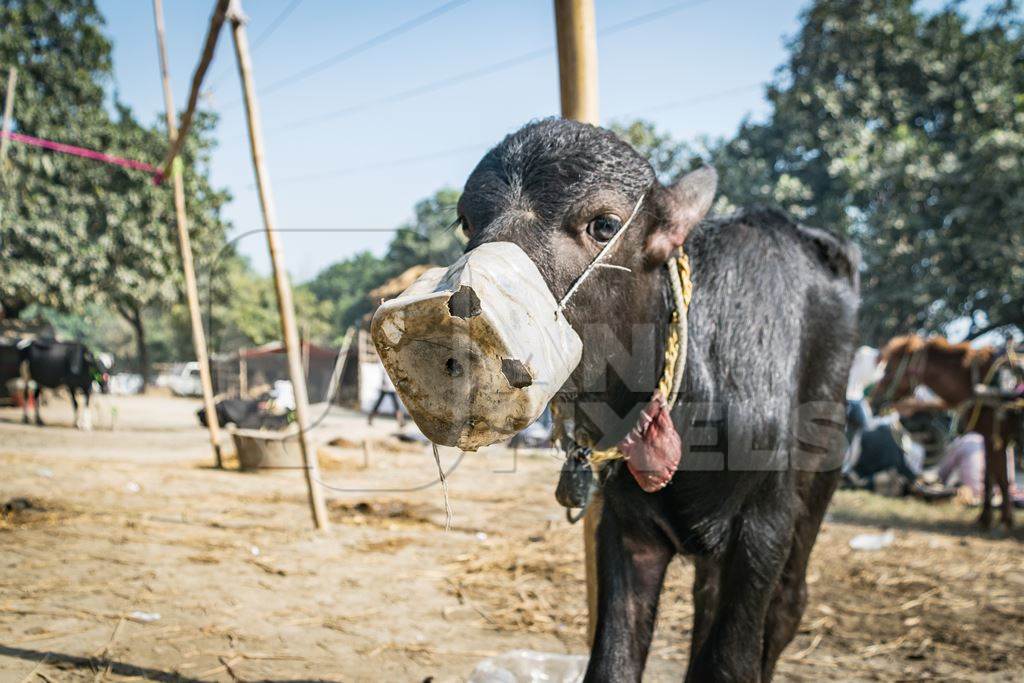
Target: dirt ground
x=124, y=555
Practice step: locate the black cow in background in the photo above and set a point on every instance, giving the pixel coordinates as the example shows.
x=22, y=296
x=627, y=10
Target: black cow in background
x=245, y=413
x=53, y=364
x=10, y=365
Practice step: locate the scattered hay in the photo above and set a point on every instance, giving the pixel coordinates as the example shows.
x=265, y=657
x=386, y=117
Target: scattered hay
x=21, y=512
x=384, y=545
x=388, y=444
x=342, y=442
x=536, y=584
x=391, y=513
x=333, y=461
x=938, y=605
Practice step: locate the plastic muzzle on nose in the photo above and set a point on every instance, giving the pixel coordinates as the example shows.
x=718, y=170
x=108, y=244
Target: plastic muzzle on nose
x=476, y=351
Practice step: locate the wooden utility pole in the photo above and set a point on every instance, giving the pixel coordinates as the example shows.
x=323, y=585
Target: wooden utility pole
x=285, y=306
x=12, y=80
x=577, y=59
x=577, y=74
x=185, y=246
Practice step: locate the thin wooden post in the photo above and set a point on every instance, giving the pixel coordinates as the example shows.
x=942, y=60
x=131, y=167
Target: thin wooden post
x=209, y=47
x=185, y=246
x=243, y=376
x=576, y=30
x=304, y=345
x=285, y=305
x=12, y=80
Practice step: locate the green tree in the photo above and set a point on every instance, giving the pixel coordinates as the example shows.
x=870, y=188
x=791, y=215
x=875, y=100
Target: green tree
x=430, y=238
x=669, y=157
x=240, y=306
x=74, y=230
x=345, y=284
x=63, y=63
x=906, y=131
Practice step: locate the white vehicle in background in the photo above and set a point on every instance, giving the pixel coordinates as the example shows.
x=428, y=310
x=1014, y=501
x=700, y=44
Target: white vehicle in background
x=186, y=382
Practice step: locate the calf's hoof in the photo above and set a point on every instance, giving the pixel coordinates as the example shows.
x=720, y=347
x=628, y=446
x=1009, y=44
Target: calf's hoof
x=40, y=423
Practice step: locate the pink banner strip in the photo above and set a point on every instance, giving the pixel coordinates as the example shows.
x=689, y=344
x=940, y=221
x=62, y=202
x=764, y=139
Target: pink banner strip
x=157, y=174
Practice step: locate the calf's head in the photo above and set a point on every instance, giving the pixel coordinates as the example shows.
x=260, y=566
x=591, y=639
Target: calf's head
x=537, y=211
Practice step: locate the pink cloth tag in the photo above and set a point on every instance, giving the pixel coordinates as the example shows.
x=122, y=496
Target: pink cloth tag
x=653, y=447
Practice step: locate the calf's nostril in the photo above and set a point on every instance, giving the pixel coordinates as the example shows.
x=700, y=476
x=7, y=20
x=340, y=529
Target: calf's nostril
x=464, y=303
x=517, y=374
x=453, y=368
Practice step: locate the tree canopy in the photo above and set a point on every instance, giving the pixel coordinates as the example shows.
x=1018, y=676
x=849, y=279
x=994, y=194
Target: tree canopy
x=76, y=231
x=428, y=239
x=905, y=131
x=900, y=128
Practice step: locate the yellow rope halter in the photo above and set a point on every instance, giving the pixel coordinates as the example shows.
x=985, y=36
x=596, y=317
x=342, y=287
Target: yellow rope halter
x=675, y=350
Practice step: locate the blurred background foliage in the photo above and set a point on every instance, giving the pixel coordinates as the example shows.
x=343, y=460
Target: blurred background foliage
x=900, y=128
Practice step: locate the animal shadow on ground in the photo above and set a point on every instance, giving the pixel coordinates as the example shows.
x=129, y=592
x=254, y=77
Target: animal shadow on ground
x=66, y=661
x=962, y=528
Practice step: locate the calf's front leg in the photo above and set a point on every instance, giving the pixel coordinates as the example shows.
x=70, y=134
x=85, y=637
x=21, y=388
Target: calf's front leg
x=631, y=569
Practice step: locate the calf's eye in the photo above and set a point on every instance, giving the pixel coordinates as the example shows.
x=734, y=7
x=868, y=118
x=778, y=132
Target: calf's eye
x=603, y=228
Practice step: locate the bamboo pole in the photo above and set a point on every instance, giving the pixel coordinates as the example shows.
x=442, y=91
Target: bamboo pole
x=284, y=292
x=185, y=246
x=209, y=47
x=577, y=59
x=12, y=80
x=243, y=377
x=576, y=30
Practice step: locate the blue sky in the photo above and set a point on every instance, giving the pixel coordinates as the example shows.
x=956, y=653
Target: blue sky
x=365, y=168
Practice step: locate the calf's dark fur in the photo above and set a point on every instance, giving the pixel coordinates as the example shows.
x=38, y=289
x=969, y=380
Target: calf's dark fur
x=772, y=328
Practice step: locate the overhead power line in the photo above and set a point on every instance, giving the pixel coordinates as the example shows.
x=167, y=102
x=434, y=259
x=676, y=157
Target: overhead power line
x=485, y=70
x=393, y=163
x=348, y=53
x=691, y=101
x=648, y=17
x=274, y=25
x=461, y=149
x=420, y=90
x=260, y=39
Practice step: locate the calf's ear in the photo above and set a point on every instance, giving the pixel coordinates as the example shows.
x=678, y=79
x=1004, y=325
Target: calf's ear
x=681, y=206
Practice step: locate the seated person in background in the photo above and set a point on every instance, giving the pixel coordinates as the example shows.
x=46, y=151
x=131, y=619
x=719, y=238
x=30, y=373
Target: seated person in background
x=963, y=468
x=883, y=456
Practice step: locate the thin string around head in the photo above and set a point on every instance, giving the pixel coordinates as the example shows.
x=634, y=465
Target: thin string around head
x=601, y=255
x=444, y=489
